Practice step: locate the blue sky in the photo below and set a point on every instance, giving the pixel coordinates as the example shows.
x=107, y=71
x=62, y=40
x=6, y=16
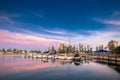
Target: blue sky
x=91, y=22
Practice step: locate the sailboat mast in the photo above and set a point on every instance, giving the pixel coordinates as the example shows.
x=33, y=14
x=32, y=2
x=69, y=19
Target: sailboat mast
x=69, y=45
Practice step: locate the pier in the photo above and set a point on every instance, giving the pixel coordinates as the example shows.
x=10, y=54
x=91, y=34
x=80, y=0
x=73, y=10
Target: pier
x=109, y=59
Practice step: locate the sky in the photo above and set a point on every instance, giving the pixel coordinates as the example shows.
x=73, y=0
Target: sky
x=39, y=24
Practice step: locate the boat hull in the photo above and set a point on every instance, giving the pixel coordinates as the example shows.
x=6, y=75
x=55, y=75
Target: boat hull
x=77, y=59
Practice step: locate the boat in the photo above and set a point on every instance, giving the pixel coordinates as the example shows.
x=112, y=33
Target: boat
x=69, y=57
x=50, y=56
x=29, y=55
x=39, y=56
x=34, y=56
x=77, y=57
x=61, y=56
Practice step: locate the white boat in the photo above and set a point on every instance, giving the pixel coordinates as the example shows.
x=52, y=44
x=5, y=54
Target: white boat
x=45, y=56
x=34, y=56
x=39, y=55
x=69, y=57
x=29, y=55
x=50, y=56
x=62, y=56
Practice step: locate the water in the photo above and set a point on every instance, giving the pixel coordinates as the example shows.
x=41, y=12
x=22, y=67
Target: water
x=16, y=67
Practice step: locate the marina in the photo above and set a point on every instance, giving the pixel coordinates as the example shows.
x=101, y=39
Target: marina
x=17, y=67
x=59, y=39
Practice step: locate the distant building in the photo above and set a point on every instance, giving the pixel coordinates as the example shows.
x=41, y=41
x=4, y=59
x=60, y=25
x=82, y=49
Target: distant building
x=62, y=46
x=112, y=44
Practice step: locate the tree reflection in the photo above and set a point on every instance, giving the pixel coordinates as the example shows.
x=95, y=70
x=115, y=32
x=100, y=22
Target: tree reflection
x=117, y=68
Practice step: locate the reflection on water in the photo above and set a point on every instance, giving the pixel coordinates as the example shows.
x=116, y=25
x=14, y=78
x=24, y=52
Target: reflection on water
x=16, y=67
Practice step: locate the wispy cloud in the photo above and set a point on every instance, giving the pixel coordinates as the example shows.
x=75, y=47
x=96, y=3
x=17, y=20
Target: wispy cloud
x=96, y=38
x=113, y=19
x=39, y=14
x=6, y=19
x=55, y=31
x=26, y=38
x=112, y=22
x=30, y=39
x=116, y=13
x=12, y=38
x=59, y=33
x=44, y=35
x=108, y=21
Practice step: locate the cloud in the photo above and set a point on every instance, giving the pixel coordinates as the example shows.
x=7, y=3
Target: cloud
x=6, y=19
x=40, y=34
x=25, y=40
x=108, y=21
x=112, y=22
x=116, y=13
x=39, y=14
x=113, y=19
x=28, y=39
x=96, y=38
x=48, y=37
x=61, y=32
x=52, y=34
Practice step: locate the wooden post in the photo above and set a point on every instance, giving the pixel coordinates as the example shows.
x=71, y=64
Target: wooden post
x=108, y=58
x=116, y=59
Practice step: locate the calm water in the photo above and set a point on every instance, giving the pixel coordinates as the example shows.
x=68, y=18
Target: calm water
x=16, y=67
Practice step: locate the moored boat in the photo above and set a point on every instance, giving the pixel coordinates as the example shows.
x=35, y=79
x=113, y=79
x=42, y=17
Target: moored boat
x=62, y=56
x=77, y=57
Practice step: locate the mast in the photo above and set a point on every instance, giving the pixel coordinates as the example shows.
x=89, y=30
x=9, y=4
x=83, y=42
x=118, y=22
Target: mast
x=69, y=45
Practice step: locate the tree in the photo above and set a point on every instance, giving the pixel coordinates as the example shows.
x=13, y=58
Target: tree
x=97, y=48
x=14, y=50
x=91, y=49
x=81, y=47
x=53, y=49
x=9, y=49
x=117, y=50
x=112, y=45
x=3, y=50
x=105, y=48
x=73, y=49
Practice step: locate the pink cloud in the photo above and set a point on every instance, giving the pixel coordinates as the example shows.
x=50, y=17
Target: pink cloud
x=12, y=38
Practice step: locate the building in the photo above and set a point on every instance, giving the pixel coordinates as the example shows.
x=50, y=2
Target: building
x=62, y=46
x=112, y=44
